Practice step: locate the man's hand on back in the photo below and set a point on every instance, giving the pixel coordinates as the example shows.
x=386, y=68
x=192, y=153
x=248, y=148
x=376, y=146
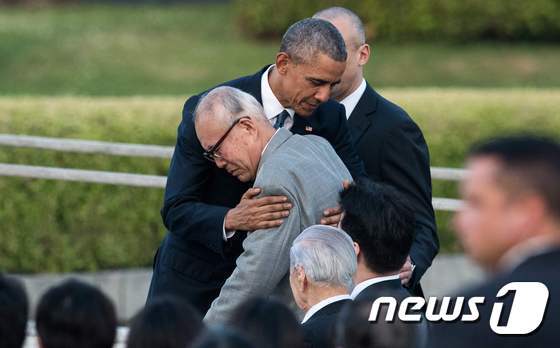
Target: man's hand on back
x=332, y=216
x=257, y=213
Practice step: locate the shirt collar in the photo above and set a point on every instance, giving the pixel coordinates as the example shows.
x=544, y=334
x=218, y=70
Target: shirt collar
x=268, y=142
x=318, y=306
x=518, y=254
x=361, y=287
x=271, y=105
x=353, y=98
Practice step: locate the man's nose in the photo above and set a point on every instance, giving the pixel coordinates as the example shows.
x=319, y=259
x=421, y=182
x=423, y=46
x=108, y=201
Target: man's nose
x=323, y=93
x=220, y=163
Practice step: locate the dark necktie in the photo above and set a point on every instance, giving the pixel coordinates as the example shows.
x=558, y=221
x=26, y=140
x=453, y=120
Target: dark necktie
x=280, y=119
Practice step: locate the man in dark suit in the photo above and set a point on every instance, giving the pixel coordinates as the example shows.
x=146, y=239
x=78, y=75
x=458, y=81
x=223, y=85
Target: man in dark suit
x=322, y=264
x=206, y=210
x=510, y=225
x=380, y=221
x=388, y=141
x=381, y=224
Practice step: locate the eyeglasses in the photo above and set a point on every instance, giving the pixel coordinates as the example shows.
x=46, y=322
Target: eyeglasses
x=211, y=154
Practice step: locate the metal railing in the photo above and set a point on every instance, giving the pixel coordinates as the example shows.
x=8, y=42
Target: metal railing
x=138, y=150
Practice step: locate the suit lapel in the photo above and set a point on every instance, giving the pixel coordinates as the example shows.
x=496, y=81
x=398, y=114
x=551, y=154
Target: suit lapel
x=360, y=118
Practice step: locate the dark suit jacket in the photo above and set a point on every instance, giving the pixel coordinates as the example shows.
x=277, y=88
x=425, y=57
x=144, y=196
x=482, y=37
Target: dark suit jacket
x=385, y=288
x=541, y=268
x=319, y=330
x=393, y=288
x=194, y=261
x=394, y=152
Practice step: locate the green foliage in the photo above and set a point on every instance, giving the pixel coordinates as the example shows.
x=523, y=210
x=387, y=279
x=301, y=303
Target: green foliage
x=48, y=225
x=417, y=19
x=178, y=50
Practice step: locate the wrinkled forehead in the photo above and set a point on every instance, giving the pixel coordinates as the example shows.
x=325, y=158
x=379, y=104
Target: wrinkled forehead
x=322, y=68
x=209, y=129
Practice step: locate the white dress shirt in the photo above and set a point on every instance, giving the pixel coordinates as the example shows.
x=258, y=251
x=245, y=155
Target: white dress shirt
x=353, y=98
x=361, y=287
x=318, y=306
x=271, y=105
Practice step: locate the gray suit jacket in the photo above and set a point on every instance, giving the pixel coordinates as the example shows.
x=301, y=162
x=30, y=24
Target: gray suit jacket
x=308, y=171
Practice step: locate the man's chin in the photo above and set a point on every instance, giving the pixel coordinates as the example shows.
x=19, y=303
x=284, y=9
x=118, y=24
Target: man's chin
x=305, y=112
x=243, y=177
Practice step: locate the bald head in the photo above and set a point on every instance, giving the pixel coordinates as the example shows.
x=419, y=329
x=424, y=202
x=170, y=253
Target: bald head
x=348, y=18
x=352, y=30
x=225, y=104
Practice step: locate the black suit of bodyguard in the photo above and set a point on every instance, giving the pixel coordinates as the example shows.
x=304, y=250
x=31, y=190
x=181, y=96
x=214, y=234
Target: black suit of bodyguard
x=394, y=152
x=193, y=260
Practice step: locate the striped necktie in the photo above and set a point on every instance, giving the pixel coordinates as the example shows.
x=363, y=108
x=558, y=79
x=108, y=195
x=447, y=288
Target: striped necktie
x=280, y=119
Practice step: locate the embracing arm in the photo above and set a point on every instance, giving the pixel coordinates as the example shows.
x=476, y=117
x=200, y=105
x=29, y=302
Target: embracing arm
x=261, y=266
x=184, y=214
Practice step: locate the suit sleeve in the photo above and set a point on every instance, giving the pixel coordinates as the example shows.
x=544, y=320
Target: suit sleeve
x=261, y=266
x=406, y=166
x=183, y=212
x=343, y=144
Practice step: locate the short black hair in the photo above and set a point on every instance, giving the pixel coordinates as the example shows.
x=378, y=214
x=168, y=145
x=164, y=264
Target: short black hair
x=165, y=322
x=76, y=314
x=14, y=308
x=381, y=221
x=268, y=323
x=306, y=38
x=533, y=162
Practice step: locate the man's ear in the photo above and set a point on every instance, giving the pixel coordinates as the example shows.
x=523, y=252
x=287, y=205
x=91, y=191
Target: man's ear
x=364, y=52
x=282, y=62
x=356, y=249
x=247, y=124
x=301, y=278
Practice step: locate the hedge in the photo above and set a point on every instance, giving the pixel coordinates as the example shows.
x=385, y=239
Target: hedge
x=456, y=20
x=48, y=225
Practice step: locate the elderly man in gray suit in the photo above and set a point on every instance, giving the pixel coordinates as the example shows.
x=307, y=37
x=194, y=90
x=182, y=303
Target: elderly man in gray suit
x=237, y=136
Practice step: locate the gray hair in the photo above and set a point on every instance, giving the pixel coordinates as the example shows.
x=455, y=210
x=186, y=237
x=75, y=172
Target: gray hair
x=326, y=255
x=306, y=38
x=227, y=104
x=336, y=12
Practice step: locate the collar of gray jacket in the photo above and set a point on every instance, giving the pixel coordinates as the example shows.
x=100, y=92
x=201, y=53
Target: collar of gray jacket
x=280, y=137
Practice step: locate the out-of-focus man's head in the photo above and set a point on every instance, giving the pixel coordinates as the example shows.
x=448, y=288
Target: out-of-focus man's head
x=268, y=323
x=14, y=309
x=321, y=258
x=354, y=330
x=233, y=130
x=511, y=194
x=165, y=322
x=75, y=314
x=223, y=337
x=381, y=223
x=352, y=30
x=311, y=60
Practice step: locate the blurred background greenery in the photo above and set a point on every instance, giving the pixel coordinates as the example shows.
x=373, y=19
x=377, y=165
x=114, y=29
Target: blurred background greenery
x=465, y=70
